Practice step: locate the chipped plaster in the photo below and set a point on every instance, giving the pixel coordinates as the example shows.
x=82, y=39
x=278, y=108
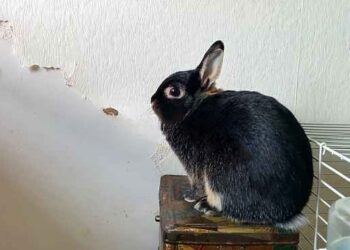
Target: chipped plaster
x=116, y=53
x=70, y=176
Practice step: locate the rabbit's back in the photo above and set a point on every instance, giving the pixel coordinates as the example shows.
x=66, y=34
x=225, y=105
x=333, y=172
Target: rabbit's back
x=253, y=152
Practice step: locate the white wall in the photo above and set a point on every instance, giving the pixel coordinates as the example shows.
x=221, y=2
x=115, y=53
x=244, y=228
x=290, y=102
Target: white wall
x=117, y=52
x=70, y=176
x=74, y=178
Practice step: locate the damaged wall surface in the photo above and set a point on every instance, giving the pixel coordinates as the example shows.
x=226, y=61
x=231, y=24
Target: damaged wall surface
x=73, y=177
x=117, y=52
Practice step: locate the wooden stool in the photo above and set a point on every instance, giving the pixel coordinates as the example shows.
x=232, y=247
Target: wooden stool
x=182, y=227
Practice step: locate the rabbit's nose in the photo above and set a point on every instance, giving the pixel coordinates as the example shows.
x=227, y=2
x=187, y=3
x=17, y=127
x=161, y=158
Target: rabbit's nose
x=155, y=105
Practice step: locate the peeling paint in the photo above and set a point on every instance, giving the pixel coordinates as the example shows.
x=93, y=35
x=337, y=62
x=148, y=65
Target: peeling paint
x=51, y=68
x=69, y=77
x=120, y=60
x=81, y=162
x=110, y=111
x=6, y=30
x=34, y=68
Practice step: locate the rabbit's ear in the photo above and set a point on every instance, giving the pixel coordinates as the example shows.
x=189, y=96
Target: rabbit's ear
x=210, y=66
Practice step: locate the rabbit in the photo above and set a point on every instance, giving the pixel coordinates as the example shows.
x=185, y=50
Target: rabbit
x=246, y=155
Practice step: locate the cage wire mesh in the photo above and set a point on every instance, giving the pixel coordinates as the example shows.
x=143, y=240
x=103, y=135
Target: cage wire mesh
x=330, y=145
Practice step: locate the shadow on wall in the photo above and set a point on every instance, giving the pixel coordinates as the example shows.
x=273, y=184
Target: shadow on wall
x=25, y=226
x=71, y=177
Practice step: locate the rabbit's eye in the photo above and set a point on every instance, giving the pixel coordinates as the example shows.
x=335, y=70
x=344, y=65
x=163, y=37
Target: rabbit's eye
x=172, y=92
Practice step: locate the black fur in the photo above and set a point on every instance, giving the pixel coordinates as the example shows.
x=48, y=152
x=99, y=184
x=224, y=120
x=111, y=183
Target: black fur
x=252, y=149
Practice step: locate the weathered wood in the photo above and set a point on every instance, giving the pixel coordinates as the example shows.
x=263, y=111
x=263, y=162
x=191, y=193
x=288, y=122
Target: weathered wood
x=182, y=227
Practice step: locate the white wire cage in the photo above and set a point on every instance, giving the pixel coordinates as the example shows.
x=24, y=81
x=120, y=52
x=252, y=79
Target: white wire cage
x=330, y=144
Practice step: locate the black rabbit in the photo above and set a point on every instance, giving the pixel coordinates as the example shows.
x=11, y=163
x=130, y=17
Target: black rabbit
x=245, y=151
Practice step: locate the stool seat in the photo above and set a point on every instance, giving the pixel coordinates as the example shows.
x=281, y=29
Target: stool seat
x=182, y=227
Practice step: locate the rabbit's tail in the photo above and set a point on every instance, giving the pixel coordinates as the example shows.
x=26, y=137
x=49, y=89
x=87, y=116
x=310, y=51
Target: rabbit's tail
x=294, y=224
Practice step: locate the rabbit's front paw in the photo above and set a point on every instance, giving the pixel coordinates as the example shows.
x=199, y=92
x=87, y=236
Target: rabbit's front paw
x=194, y=194
x=203, y=207
x=190, y=195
